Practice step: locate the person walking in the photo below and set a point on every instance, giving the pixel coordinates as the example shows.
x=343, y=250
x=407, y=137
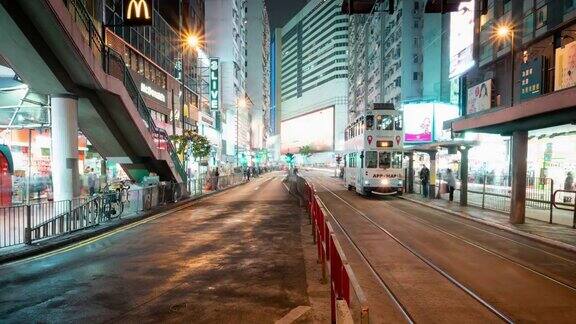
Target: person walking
x=451, y=182
x=92, y=182
x=216, y=178
x=424, y=180
x=568, y=186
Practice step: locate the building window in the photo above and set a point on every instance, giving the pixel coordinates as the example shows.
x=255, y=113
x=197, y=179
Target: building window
x=415, y=76
x=541, y=16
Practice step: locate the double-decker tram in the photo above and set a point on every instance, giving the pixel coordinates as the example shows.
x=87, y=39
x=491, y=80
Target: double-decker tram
x=374, y=152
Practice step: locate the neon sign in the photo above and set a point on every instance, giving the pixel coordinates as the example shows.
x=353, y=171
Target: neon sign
x=214, y=83
x=137, y=12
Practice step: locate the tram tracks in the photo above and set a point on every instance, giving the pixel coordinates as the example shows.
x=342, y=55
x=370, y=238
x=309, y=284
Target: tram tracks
x=401, y=307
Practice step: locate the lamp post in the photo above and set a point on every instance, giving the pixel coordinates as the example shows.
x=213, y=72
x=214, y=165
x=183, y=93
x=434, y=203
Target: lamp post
x=240, y=104
x=504, y=32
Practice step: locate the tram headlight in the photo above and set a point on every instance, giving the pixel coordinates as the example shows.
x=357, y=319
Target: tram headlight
x=366, y=182
x=385, y=182
x=400, y=183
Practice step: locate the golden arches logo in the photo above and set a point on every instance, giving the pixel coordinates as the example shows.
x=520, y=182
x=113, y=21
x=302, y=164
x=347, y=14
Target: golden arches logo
x=136, y=7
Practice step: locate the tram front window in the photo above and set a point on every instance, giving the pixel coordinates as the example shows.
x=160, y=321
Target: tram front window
x=384, y=122
x=371, y=159
x=398, y=123
x=369, y=122
x=384, y=160
x=397, y=160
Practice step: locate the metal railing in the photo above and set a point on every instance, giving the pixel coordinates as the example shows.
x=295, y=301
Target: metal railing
x=26, y=224
x=568, y=203
x=494, y=193
x=336, y=270
x=114, y=65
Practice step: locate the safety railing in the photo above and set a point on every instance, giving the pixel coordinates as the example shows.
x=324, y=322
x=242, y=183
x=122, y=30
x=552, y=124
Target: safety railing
x=494, y=193
x=568, y=203
x=114, y=65
x=336, y=270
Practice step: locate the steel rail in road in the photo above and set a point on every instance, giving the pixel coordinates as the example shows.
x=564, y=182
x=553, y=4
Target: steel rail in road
x=455, y=220
x=446, y=275
x=403, y=310
x=487, y=250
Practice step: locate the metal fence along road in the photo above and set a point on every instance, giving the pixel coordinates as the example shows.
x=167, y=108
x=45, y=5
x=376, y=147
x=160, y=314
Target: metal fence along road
x=26, y=224
x=336, y=271
x=494, y=193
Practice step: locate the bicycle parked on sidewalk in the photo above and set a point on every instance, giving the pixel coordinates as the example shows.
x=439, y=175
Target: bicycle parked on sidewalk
x=114, y=200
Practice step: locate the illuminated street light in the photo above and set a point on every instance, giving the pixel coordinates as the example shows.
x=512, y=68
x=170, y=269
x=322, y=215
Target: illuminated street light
x=192, y=41
x=504, y=32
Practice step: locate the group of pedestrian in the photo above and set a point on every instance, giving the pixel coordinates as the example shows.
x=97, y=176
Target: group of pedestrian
x=425, y=181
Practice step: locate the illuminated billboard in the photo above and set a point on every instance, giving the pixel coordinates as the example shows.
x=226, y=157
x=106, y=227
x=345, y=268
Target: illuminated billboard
x=315, y=129
x=424, y=122
x=462, y=39
x=418, y=120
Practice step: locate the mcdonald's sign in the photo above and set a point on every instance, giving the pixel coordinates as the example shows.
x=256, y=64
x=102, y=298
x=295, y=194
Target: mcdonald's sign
x=138, y=12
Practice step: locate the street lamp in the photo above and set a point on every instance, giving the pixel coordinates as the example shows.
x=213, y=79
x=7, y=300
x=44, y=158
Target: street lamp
x=241, y=104
x=503, y=32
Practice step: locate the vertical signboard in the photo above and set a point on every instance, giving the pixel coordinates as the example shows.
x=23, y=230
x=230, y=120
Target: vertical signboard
x=462, y=39
x=214, y=83
x=479, y=97
x=531, y=83
x=138, y=12
x=418, y=122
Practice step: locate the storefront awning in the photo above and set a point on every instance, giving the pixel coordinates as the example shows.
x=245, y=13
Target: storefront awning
x=553, y=109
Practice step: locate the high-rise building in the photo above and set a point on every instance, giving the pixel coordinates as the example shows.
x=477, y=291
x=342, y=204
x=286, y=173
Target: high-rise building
x=226, y=32
x=386, y=56
x=258, y=70
x=314, y=80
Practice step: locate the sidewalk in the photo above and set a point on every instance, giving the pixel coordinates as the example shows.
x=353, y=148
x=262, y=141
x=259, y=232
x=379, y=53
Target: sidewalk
x=552, y=234
x=22, y=251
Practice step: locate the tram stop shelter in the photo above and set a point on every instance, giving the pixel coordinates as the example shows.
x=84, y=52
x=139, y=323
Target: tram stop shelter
x=463, y=146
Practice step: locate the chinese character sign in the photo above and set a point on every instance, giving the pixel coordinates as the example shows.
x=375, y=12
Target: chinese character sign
x=531, y=78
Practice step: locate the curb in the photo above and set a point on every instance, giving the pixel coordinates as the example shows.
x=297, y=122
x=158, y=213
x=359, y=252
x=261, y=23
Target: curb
x=533, y=237
x=74, y=238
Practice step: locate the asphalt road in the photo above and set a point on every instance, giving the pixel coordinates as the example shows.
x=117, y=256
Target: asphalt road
x=235, y=257
x=444, y=269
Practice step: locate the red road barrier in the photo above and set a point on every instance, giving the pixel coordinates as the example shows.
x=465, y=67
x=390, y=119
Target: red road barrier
x=333, y=260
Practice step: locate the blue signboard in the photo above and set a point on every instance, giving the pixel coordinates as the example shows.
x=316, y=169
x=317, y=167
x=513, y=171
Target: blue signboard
x=531, y=78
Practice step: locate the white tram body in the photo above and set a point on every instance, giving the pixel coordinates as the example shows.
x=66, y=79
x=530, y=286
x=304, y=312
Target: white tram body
x=374, y=154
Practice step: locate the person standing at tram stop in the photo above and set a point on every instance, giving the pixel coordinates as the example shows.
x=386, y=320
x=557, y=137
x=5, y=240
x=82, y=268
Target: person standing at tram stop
x=424, y=180
x=451, y=182
x=568, y=186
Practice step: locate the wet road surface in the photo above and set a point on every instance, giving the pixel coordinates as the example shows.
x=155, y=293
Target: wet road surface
x=235, y=257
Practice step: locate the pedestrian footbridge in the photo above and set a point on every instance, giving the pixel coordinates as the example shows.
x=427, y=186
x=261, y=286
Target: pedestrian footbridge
x=56, y=48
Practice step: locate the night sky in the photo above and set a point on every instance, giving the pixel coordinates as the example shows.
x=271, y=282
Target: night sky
x=281, y=11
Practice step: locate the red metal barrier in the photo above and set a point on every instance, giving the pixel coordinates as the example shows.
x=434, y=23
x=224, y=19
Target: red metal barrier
x=329, y=252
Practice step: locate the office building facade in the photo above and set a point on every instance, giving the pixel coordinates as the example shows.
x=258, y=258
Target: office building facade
x=313, y=79
x=226, y=29
x=258, y=70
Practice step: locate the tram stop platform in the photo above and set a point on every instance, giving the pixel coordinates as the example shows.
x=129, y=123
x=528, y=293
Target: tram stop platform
x=561, y=236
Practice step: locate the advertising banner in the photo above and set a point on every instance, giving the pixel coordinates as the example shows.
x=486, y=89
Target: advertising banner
x=315, y=129
x=462, y=39
x=418, y=120
x=531, y=72
x=565, y=67
x=479, y=97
